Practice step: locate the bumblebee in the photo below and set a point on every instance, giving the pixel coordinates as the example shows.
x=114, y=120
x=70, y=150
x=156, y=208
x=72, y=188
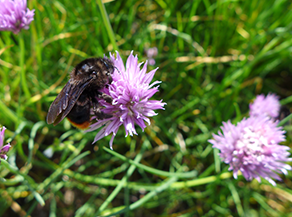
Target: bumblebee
x=82, y=92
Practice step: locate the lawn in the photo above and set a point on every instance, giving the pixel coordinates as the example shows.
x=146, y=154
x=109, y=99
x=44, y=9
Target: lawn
x=213, y=57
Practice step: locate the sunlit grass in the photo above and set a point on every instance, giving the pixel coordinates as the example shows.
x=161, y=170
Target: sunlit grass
x=214, y=57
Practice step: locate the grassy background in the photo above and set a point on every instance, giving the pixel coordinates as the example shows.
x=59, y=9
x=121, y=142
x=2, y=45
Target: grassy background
x=214, y=58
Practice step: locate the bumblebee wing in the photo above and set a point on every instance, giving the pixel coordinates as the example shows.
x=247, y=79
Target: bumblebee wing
x=65, y=101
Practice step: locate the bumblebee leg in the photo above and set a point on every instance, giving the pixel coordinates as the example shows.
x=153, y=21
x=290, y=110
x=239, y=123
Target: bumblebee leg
x=97, y=108
x=106, y=97
x=101, y=115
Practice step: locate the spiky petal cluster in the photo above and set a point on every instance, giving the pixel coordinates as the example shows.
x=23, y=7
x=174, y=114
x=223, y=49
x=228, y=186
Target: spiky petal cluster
x=14, y=15
x=252, y=147
x=3, y=149
x=131, y=92
x=269, y=106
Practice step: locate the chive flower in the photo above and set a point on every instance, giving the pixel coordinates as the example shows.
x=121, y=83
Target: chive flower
x=252, y=147
x=269, y=106
x=151, y=53
x=3, y=149
x=131, y=92
x=14, y=15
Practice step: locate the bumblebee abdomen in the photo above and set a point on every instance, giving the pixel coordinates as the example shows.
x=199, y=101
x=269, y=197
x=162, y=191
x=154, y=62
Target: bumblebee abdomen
x=79, y=116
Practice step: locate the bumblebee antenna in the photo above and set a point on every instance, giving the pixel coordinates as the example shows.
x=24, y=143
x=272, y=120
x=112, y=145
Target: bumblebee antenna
x=104, y=62
x=117, y=69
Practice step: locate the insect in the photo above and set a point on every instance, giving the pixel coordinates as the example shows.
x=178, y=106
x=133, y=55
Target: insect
x=283, y=113
x=80, y=94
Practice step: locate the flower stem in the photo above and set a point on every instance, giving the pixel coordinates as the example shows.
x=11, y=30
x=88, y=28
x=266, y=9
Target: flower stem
x=150, y=169
x=22, y=67
x=199, y=181
x=282, y=122
x=107, y=24
x=122, y=183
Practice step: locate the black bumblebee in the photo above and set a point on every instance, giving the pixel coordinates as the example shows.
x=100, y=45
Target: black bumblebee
x=283, y=113
x=81, y=92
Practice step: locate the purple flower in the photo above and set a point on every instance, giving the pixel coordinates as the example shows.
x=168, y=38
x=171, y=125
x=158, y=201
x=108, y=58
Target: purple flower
x=268, y=105
x=253, y=148
x=151, y=53
x=14, y=15
x=3, y=149
x=131, y=93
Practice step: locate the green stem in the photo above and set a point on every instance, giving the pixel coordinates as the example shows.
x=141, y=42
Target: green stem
x=189, y=174
x=282, y=122
x=9, y=113
x=201, y=181
x=121, y=184
x=143, y=200
x=22, y=67
x=107, y=24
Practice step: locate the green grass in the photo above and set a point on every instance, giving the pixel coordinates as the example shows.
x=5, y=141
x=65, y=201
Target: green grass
x=214, y=58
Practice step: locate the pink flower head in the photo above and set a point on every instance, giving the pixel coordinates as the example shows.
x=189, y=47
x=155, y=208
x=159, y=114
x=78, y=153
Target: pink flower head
x=151, y=53
x=253, y=148
x=3, y=149
x=131, y=92
x=268, y=105
x=14, y=15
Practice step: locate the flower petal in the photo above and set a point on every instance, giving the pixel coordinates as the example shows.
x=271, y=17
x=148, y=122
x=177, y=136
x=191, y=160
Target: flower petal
x=130, y=92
